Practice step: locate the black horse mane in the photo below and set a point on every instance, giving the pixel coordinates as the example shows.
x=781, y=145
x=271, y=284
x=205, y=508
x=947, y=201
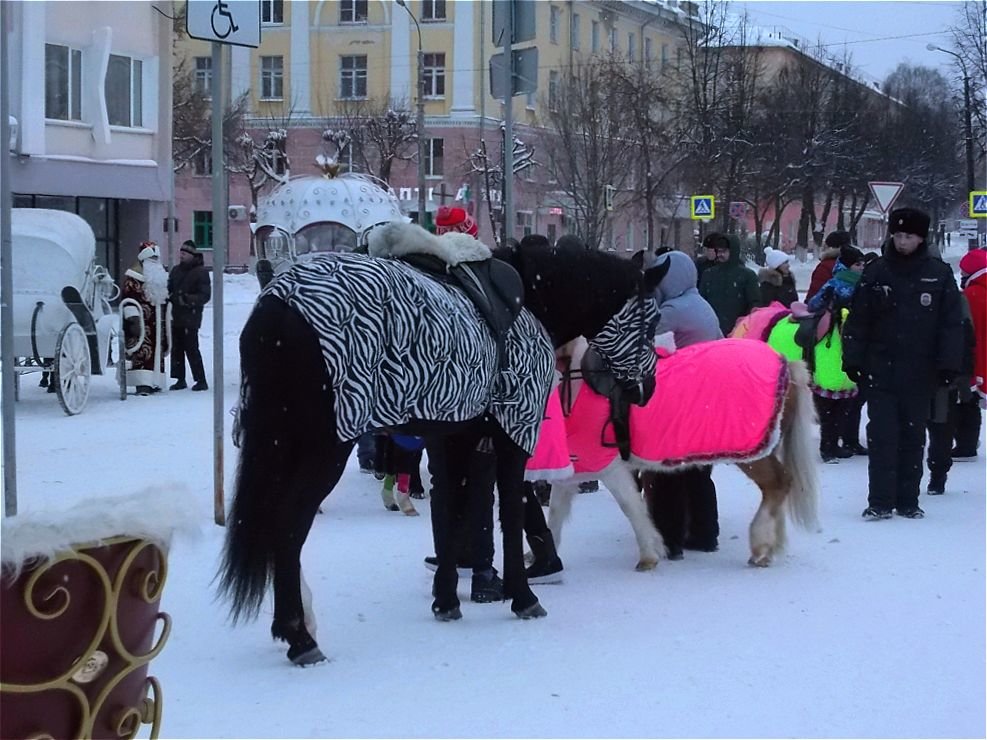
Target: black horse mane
x=593, y=285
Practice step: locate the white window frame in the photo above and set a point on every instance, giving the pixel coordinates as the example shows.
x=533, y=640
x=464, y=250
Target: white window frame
x=135, y=92
x=202, y=163
x=434, y=11
x=352, y=77
x=203, y=76
x=525, y=221
x=356, y=10
x=73, y=92
x=575, y=30
x=554, y=22
x=431, y=158
x=434, y=75
x=272, y=76
x=268, y=12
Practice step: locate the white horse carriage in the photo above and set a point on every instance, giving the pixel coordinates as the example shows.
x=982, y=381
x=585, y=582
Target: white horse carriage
x=313, y=214
x=63, y=322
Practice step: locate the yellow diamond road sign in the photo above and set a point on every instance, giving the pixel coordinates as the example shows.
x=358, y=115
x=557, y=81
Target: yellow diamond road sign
x=703, y=207
x=978, y=204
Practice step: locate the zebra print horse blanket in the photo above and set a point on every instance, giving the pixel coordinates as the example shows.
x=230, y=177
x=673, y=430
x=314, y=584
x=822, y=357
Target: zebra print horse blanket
x=400, y=346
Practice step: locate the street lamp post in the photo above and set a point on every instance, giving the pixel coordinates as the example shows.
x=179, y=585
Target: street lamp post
x=967, y=115
x=420, y=122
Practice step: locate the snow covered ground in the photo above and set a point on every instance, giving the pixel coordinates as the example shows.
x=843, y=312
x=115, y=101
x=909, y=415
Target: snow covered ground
x=864, y=629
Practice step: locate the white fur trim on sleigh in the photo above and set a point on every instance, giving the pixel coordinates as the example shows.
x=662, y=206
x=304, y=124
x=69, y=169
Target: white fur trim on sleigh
x=156, y=513
x=396, y=239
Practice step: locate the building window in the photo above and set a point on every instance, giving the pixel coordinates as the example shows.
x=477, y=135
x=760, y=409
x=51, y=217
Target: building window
x=525, y=223
x=530, y=99
x=575, y=31
x=271, y=78
x=279, y=162
x=613, y=40
x=203, y=76
x=679, y=53
x=63, y=83
x=631, y=46
x=124, y=90
x=434, y=149
x=202, y=229
x=272, y=12
x=554, y=21
x=353, y=77
x=435, y=75
x=664, y=55
x=202, y=162
x=353, y=11
x=594, y=37
x=433, y=10
x=648, y=53
x=553, y=89
x=551, y=232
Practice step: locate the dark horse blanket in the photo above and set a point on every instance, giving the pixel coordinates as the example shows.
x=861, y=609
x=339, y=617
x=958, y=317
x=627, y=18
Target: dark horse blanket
x=400, y=346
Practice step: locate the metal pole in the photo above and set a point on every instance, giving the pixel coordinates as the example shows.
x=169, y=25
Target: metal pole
x=420, y=126
x=508, y=119
x=219, y=240
x=6, y=285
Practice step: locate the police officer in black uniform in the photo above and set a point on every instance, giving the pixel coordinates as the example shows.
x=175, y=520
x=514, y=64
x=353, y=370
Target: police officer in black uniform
x=902, y=340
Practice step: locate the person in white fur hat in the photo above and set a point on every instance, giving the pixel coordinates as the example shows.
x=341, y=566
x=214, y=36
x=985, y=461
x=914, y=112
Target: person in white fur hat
x=144, y=297
x=777, y=281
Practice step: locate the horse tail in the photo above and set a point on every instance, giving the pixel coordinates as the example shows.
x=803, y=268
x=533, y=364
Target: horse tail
x=251, y=531
x=798, y=449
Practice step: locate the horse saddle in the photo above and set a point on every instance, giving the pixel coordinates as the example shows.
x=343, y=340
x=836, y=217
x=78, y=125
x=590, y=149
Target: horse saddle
x=494, y=287
x=601, y=380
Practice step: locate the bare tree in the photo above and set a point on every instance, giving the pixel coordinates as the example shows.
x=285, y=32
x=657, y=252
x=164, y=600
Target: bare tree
x=970, y=43
x=590, y=144
x=381, y=132
x=491, y=171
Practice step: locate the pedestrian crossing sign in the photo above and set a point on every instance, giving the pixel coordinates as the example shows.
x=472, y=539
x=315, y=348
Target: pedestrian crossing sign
x=703, y=207
x=978, y=204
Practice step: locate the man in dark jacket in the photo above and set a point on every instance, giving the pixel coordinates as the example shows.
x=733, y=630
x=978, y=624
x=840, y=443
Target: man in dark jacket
x=902, y=340
x=189, y=290
x=729, y=287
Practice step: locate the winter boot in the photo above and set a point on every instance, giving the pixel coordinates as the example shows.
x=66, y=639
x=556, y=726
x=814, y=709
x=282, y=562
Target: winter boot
x=178, y=386
x=937, y=484
x=387, y=493
x=486, y=587
x=402, y=497
x=874, y=513
x=547, y=566
x=910, y=512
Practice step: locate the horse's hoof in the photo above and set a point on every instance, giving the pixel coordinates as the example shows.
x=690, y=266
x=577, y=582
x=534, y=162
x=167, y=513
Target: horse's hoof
x=411, y=512
x=447, y=615
x=532, y=612
x=761, y=561
x=312, y=656
x=646, y=565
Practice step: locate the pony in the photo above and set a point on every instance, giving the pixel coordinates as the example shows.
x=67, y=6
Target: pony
x=782, y=465
x=347, y=342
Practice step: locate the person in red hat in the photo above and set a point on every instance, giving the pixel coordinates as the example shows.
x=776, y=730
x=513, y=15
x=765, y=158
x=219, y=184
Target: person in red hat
x=454, y=218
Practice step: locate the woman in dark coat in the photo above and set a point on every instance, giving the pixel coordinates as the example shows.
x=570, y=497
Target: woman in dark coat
x=776, y=279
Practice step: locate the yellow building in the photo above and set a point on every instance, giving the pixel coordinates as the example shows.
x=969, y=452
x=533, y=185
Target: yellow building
x=315, y=57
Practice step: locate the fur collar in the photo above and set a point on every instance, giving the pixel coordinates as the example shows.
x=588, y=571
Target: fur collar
x=135, y=275
x=396, y=239
x=767, y=275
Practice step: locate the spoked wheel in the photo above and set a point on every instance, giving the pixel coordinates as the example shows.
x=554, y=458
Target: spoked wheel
x=73, y=369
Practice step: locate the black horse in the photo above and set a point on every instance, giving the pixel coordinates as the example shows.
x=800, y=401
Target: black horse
x=299, y=417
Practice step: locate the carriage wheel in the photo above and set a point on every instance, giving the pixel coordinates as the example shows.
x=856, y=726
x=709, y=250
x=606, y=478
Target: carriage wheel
x=73, y=369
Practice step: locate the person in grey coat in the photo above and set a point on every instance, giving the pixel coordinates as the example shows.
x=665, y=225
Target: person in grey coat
x=683, y=504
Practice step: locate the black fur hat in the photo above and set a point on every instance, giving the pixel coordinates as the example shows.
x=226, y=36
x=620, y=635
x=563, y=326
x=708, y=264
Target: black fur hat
x=909, y=221
x=850, y=256
x=837, y=239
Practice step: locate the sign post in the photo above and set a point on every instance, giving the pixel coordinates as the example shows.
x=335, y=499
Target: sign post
x=223, y=22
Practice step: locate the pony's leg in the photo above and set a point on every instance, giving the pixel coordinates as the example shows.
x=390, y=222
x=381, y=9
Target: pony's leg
x=511, y=460
x=622, y=484
x=767, y=530
x=560, y=508
x=313, y=478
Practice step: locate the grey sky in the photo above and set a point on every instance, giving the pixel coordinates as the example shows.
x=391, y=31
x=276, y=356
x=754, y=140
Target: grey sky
x=865, y=28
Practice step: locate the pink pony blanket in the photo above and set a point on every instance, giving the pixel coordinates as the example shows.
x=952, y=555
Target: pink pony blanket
x=715, y=402
x=550, y=460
